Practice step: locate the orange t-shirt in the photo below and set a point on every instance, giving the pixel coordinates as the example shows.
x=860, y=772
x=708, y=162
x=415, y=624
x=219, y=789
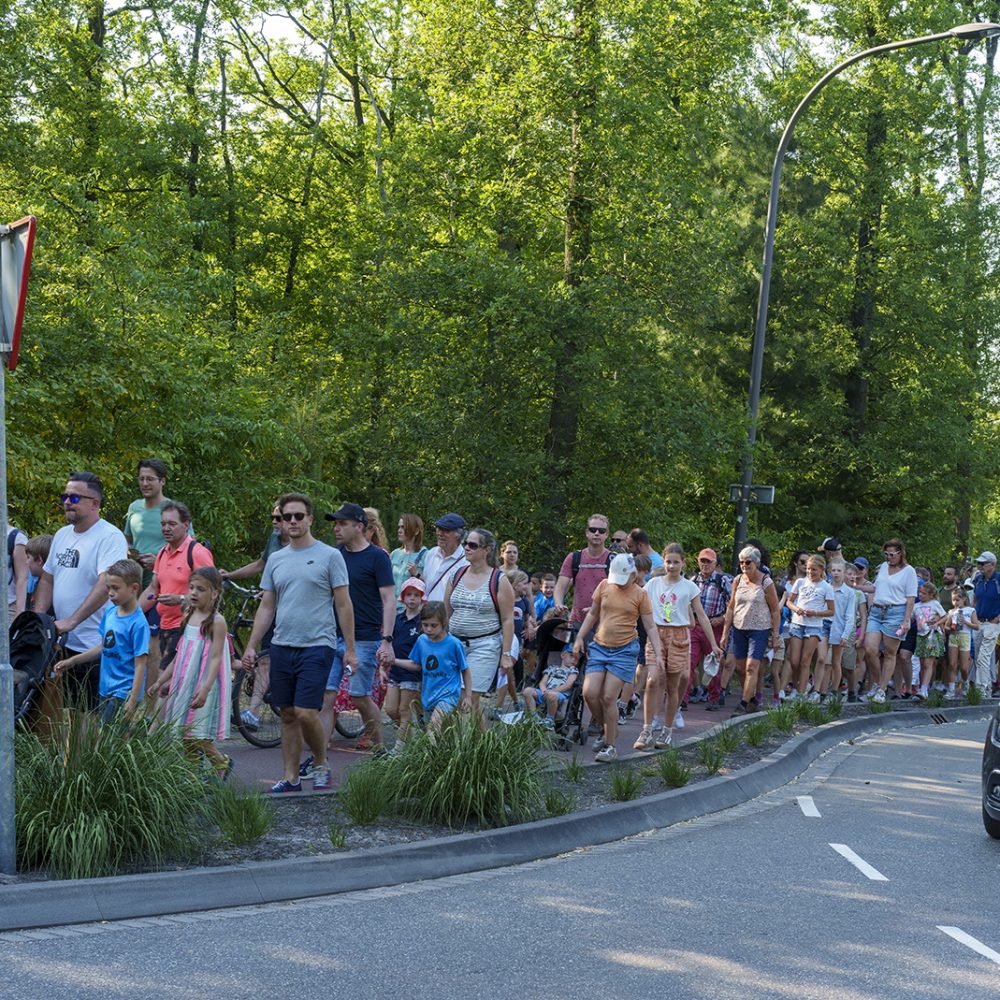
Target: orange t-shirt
x=173, y=572
x=620, y=608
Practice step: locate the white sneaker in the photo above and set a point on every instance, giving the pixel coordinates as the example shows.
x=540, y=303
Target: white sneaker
x=813, y=697
x=607, y=754
x=678, y=720
x=879, y=697
x=645, y=740
x=664, y=738
x=951, y=696
x=598, y=745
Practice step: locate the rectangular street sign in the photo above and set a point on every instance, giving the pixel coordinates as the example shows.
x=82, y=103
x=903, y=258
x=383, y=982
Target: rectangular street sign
x=758, y=494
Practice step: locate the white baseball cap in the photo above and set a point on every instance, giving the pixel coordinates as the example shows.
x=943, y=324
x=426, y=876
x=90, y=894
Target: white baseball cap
x=621, y=568
x=985, y=557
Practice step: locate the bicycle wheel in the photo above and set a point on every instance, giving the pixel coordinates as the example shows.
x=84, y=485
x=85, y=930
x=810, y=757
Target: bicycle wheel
x=267, y=732
x=350, y=725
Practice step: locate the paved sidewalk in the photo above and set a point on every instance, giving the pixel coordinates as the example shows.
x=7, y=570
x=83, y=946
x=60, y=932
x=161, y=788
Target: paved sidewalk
x=257, y=768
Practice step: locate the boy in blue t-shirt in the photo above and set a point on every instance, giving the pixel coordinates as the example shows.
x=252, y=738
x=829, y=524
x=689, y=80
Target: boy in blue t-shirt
x=446, y=678
x=125, y=644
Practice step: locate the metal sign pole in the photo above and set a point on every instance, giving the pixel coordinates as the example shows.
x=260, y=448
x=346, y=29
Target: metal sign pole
x=8, y=848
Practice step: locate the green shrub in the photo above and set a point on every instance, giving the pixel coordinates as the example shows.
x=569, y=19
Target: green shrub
x=783, y=718
x=834, y=707
x=574, y=771
x=463, y=774
x=757, y=732
x=801, y=708
x=242, y=816
x=934, y=699
x=711, y=756
x=338, y=835
x=672, y=771
x=812, y=713
x=728, y=739
x=95, y=799
x=625, y=785
x=974, y=695
x=366, y=792
x=559, y=802
x=877, y=707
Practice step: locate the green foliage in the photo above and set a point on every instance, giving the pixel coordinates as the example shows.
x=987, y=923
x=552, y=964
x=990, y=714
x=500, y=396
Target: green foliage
x=813, y=713
x=95, y=800
x=672, y=771
x=711, y=756
x=728, y=739
x=758, y=731
x=834, y=707
x=243, y=817
x=973, y=694
x=934, y=699
x=877, y=707
x=624, y=785
x=573, y=771
x=558, y=801
x=784, y=717
x=366, y=792
x=337, y=834
x=464, y=775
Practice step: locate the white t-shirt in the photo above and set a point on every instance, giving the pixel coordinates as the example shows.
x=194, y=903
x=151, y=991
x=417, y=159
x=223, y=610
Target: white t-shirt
x=925, y=612
x=20, y=538
x=810, y=597
x=671, y=601
x=76, y=560
x=895, y=588
x=961, y=619
x=439, y=569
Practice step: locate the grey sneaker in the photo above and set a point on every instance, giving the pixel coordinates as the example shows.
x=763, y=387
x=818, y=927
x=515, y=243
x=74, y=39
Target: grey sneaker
x=598, y=745
x=663, y=738
x=321, y=779
x=645, y=740
x=608, y=753
x=548, y=722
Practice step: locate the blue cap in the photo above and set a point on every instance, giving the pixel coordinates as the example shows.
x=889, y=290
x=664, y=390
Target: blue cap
x=861, y=562
x=450, y=522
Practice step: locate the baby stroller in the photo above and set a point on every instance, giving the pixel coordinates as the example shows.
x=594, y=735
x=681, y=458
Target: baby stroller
x=33, y=650
x=552, y=636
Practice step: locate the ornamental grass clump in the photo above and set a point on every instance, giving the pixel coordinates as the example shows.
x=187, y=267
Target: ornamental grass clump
x=94, y=800
x=242, y=816
x=463, y=775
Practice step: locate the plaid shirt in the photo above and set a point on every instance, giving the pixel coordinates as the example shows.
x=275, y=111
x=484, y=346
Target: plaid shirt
x=715, y=591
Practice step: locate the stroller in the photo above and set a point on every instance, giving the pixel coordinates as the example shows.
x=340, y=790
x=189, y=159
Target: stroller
x=33, y=650
x=551, y=637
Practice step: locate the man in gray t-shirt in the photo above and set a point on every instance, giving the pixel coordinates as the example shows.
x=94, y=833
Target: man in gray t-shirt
x=302, y=583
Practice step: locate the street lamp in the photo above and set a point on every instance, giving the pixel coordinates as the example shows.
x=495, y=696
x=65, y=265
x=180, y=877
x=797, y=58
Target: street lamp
x=974, y=31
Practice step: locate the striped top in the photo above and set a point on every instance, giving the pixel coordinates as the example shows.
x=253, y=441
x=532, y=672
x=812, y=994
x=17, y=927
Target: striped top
x=473, y=614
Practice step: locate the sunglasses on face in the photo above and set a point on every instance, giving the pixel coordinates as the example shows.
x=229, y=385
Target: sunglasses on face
x=597, y=531
x=295, y=515
x=472, y=545
x=275, y=517
x=74, y=497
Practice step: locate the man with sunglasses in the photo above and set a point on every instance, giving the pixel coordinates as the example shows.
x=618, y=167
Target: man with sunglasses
x=584, y=569
x=446, y=558
x=72, y=579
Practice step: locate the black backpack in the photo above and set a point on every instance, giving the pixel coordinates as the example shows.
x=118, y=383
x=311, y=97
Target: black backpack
x=32, y=653
x=578, y=558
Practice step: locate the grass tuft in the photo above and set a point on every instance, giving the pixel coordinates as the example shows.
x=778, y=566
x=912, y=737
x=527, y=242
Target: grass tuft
x=366, y=792
x=783, y=718
x=834, y=707
x=728, y=739
x=934, y=699
x=242, y=816
x=625, y=785
x=711, y=756
x=878, y=707
x=559, y=802
x=757, y=732
x=672, y=771
x=974, y=696
x=93, y=799
x=337, y=834
x=573, y=771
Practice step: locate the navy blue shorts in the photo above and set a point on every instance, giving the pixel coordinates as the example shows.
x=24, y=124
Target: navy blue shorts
x=153, y=617
x=298, y=675
x=750, y=643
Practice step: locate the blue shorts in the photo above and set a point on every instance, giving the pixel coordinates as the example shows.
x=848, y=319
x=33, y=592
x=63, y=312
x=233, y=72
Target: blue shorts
x=617, y=660
x=108, y=707
x=806, y=631
x=540, y=697
x=405, y=685
x=363, y=678
x=827, y=628
x=404, y=678
x=886, y=619
x=750, y=643
x=153, y=618
x=298, y=675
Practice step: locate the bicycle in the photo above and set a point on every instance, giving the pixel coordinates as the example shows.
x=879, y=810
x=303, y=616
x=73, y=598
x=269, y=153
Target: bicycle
x=267, y=731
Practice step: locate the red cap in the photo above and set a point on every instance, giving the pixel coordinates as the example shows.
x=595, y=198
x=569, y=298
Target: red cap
x=708, y=554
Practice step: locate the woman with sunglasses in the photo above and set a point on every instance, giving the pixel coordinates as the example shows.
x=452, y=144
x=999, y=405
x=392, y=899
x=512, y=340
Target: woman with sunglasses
x=890, y=615
x=752, y=618
x=480, y=603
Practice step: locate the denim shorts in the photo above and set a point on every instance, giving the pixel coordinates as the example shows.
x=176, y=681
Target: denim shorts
x=298, y=675
x=806, y=631
x=617, y=660
x=750, y=643
x=886, y=620
x=363, y=678
x=540, y=697
x=404, y=685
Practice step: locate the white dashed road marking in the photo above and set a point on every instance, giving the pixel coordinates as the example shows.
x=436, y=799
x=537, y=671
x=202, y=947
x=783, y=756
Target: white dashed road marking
x=970, y=942
x=807, y=806
x=862, y=866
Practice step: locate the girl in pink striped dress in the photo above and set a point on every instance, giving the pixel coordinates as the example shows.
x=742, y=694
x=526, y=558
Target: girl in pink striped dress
x=196, y=683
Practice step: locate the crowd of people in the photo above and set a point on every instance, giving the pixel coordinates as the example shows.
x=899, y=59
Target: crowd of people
x=418, y=633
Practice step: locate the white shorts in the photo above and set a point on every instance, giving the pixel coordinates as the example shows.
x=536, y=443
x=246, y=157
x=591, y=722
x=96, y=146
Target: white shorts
x=482, y=656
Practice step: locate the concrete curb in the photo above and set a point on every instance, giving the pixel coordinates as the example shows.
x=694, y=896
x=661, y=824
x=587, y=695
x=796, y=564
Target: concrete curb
x=45, y=904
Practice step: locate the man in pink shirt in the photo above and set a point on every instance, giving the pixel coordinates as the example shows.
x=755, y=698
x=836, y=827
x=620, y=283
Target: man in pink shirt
x=584, y=569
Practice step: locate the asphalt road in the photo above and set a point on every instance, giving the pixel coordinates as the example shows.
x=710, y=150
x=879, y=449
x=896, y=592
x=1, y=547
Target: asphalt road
x=750, y=903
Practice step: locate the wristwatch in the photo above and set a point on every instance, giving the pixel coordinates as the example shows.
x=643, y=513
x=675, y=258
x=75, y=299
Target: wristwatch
x=387, y=638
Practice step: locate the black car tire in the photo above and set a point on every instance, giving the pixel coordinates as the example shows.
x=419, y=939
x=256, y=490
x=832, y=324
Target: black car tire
x=992, y=825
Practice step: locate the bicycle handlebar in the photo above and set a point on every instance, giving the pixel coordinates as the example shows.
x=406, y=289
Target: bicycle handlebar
x=244, y=591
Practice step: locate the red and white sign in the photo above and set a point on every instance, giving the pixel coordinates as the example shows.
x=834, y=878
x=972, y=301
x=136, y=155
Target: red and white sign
x=16, y=243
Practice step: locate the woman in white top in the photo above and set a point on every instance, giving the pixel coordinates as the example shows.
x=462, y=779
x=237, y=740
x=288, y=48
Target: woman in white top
x=890, y=615
x=675, y=602
x=480, y=603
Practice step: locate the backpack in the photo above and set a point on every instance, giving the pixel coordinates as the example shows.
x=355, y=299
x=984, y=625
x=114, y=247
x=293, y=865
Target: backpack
x=578, y=558
x=192, y=542
x=494, y=584
x=32, y=652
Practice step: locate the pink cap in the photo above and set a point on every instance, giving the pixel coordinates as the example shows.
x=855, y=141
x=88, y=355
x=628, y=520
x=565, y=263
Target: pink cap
x=707, y=554
x=414, y=583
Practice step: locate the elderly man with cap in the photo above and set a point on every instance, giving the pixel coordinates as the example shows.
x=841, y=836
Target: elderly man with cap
x=832, y=550
x=372, y=588
x=986, y=588
x=446, y=557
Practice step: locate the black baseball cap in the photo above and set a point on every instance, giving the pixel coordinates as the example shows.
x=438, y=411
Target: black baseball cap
x=349, y=512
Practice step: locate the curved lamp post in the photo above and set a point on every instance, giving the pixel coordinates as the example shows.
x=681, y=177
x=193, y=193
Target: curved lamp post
x=975, y=31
